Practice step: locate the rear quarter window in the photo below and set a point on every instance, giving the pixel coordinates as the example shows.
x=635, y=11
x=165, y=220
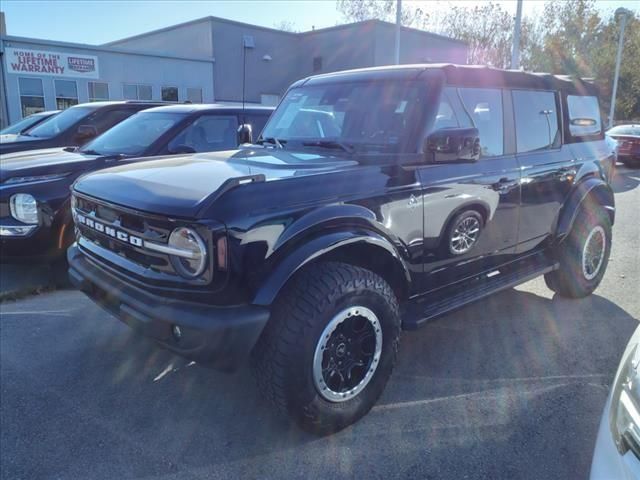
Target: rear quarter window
x=584, y=116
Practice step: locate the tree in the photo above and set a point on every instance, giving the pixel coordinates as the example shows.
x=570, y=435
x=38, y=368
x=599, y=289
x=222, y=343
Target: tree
x=487, y=29
x=286, y=26
x=361, y=10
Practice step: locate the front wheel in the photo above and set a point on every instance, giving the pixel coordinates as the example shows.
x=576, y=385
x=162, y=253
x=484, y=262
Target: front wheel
x=583, y=255
x=330, y=346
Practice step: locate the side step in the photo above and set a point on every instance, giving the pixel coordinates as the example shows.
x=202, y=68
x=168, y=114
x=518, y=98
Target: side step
x=441, y=301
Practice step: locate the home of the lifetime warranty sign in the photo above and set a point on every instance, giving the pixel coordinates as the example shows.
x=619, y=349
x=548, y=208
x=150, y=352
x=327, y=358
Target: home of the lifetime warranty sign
x=37, y=62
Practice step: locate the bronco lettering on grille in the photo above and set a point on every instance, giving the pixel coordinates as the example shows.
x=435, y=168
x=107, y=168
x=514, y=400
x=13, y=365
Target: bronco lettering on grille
x=109, y=231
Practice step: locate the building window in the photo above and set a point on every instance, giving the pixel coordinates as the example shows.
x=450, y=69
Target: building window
x=132, y=91
x=317, y=64
x=194, y=95
x=169, y=94
x=269, y=99
x=536, y=120
x=98, y=91
x=31, y=96
x=66, y=93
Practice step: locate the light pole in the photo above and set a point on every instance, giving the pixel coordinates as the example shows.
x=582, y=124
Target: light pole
x=515, y=50
x=622, y=14
x=398, y=19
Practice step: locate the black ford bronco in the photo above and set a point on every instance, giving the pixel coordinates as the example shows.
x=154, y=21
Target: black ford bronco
x=374, y=201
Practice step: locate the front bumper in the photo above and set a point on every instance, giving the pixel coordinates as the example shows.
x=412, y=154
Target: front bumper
x=607, y=463
x=40, y=243
x=216, y=336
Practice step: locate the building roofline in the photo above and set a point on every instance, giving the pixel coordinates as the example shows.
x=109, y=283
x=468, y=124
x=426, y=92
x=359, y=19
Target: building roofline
x=209, y=18
x=387, y=24
x=100, y=48
x=275, y=30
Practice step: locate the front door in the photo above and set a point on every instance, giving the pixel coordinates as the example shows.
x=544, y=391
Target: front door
x=471, y=210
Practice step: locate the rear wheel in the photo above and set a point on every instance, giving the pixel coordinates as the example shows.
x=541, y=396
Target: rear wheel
x=330, y=346
x=583, y=255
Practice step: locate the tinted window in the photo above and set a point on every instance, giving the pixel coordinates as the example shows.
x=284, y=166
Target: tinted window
x=581, y=110
x=257, y=123
x=484, y=106
x=209, y=133
x=135, y=134
x=450, y=113
x=536, y=120
x=624, y=130
x=60, y=122
x=104, y=120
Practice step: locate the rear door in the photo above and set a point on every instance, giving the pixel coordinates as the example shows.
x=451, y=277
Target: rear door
x=548, y=167
x=489, y=186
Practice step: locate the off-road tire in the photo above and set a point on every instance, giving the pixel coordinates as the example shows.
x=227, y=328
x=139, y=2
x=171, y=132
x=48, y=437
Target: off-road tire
x=282, y=360
x=569, y=280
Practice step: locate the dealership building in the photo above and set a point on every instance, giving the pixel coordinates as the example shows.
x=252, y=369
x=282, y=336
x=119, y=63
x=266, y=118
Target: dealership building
x=199, y=61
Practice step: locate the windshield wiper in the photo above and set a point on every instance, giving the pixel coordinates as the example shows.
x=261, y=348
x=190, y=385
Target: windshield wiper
x=90, y=152
x=273, y=140
x=330, y=144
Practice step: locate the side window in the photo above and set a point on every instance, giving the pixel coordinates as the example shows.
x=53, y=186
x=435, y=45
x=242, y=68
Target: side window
x=257, y=123
x=209, y=133
x=536, y=117
x=451, y=114
x=484, y=106
x=104, y=120
x=581, y=111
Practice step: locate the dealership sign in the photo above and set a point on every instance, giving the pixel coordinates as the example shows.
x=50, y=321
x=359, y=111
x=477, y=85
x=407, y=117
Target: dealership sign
x=37, y=62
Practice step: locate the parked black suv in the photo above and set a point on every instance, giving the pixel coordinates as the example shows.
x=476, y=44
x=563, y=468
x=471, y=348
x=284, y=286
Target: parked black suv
x=74, y=126
x=376, y=200
x=35, y=217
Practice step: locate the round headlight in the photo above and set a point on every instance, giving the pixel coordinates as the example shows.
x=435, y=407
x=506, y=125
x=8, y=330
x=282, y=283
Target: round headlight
x=24, y=208
x=190, y=257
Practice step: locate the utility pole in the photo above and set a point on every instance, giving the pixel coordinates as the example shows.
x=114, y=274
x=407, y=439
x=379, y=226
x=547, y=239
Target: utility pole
x=515, y=51
x=622, y=14
x=398, y=19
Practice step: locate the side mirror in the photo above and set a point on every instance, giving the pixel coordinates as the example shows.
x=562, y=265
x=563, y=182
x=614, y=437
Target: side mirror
x=453, y=145
x=245, y=135
x=182, y=148
x=86, y=132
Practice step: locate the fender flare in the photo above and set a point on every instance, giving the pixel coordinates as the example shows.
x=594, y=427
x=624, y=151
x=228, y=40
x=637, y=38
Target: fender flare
x=591, y=187
x=308, y=251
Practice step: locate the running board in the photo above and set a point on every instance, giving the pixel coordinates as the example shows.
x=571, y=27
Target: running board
x=420, y=311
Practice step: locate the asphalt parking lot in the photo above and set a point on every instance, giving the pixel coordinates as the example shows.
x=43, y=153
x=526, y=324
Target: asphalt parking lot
x=510, y=387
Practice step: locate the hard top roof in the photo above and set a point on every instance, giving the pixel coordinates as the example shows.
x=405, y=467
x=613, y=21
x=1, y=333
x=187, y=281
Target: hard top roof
x=210, y=107
x=462, y=75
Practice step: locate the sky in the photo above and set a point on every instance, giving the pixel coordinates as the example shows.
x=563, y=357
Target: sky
x=101, y=21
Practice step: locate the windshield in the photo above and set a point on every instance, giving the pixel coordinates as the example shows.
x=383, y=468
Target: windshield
x=22, y=125
x=134, y=135
x=373, y=116
x=624, y=130
x=60, y=122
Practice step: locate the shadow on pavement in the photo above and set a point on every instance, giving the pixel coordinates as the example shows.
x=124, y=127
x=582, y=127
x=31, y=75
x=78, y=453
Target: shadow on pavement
x=510, y=387
x=625, y=179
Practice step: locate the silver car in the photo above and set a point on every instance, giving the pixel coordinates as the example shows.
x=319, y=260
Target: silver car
x=617, y=453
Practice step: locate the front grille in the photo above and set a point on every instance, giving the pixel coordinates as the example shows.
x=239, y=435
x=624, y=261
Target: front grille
x=123, y=231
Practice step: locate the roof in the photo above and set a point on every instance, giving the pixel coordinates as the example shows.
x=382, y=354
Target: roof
x=463, y=75
x=96, y=105
x=275, y=30
x=210, y=107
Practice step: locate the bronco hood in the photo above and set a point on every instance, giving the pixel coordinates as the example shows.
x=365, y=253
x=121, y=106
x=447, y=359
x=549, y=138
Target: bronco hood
x=180, y=186
x=42, y=162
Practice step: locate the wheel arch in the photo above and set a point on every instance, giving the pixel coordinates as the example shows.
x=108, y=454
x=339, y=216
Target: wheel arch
x=366, y=250
x=591, y=190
